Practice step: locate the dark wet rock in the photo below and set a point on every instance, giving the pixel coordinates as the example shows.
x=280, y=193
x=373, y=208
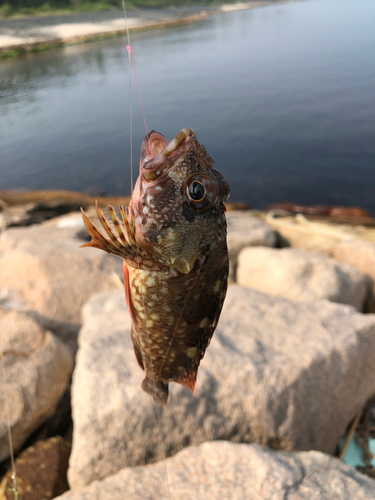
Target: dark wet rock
x=41, y=471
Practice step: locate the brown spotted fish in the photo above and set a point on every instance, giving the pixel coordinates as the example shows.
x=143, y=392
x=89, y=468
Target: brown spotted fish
x=173, y=242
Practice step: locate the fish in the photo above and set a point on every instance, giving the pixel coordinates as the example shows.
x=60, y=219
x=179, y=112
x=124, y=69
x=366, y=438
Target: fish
x=173, y=239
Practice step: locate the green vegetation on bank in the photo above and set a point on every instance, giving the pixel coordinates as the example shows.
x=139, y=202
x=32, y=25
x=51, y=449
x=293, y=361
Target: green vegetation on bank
x=21, y=51
x=14, y=8
x=17, y=8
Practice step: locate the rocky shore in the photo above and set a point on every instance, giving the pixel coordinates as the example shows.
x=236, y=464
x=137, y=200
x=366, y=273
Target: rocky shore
x=290, y=364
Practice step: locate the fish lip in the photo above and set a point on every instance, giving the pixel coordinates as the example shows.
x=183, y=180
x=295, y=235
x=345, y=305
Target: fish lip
x=154, y=167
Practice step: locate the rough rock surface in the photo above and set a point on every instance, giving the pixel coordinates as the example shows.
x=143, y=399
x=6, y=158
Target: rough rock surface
x=225, y=471
x=19, y=216
x=34, y=213
x=299, y=232
x=47, y=267
x=41, y=471
x=283, y=374
x=302, y=276
x=245, y=230
x=37, y=366
x=360, y=254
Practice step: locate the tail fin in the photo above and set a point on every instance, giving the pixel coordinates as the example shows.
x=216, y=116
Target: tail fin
x=158, y=390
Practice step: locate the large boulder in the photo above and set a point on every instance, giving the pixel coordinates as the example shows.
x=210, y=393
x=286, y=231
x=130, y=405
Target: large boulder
x=299, y=232
x=222, y=470
x=360, y=254
x=279, y=373
x=54, y=276
x=245, y=230
x=302, y=276
x=37, y=368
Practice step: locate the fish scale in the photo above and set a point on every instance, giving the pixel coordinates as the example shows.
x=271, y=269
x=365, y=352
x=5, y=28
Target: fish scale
x=175, y=257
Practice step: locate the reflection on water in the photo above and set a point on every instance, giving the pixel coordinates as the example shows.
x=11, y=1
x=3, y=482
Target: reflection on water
x=21, y=79
x=282, y=97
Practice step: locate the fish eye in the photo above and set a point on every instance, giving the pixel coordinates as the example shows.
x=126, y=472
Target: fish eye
x=197, y=191
x=201, y=191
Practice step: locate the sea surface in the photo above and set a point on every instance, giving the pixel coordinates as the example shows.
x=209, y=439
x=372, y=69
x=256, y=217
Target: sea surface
x=283, y=98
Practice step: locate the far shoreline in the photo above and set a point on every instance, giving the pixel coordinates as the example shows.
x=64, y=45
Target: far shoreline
x=73, y=34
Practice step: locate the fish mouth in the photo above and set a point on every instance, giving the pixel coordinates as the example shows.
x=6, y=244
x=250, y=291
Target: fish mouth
x=157, y=155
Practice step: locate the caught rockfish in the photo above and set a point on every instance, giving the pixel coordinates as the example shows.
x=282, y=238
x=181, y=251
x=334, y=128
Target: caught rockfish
x=173, y=242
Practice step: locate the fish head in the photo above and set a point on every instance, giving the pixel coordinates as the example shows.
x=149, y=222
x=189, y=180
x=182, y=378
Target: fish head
x=178, y=200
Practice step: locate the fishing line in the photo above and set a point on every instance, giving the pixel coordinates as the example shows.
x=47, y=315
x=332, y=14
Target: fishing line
x=132, y=64
x=130, y=101
x=14, y=488
x=132, y=55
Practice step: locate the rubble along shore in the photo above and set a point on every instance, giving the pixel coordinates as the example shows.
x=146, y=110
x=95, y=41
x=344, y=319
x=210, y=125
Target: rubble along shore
x=294, y=369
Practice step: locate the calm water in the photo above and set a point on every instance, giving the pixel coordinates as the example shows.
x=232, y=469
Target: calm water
x=283, y=97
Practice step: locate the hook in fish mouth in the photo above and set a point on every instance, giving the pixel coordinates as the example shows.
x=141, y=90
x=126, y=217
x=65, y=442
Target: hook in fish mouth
x=157, y=154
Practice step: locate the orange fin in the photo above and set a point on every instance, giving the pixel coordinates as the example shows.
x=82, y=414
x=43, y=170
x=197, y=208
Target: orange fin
x=128, y=297
x=112, y=223
x=189, y=381
x=112, y=232
x=137, y=352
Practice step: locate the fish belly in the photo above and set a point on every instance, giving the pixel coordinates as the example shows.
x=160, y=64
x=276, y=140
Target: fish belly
x=174, y=318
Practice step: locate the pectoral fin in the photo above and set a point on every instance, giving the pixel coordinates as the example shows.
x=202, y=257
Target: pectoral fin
x=112, y=232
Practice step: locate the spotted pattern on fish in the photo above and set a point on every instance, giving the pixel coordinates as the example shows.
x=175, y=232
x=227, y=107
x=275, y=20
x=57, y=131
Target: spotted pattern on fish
x=173, y=242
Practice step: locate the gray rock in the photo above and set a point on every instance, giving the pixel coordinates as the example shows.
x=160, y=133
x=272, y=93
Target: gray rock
x=19, y=216
x=360, y=254
x=34, y=212
x=37, y=367
x=299, y=232
x=225, y=471
x=53, y=275
x=283, y=374
x=302, y=276
x=245, y=230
